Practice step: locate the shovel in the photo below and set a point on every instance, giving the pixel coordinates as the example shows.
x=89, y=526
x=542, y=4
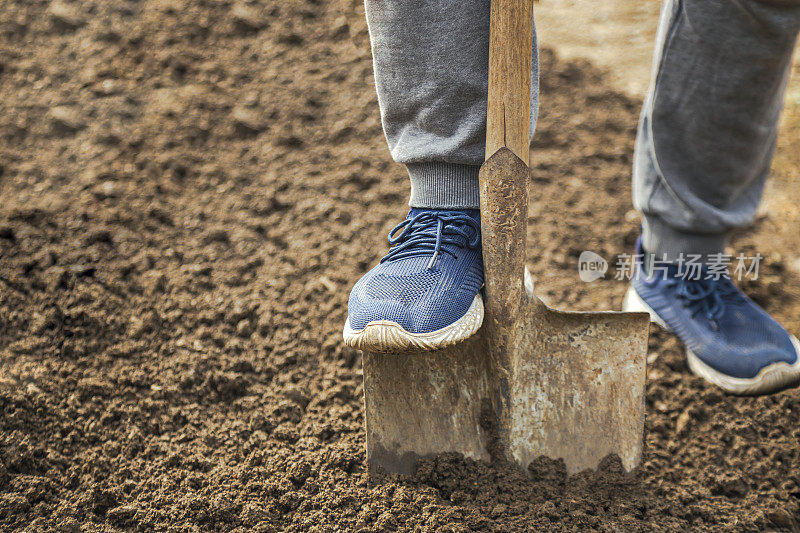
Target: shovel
x=533, y=381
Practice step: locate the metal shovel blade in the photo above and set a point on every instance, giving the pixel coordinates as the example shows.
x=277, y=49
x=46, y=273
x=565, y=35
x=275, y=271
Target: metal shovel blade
x=574, y=390
x=534, y=381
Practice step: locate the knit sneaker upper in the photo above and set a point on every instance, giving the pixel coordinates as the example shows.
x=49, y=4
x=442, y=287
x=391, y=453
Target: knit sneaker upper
x=430, y=276
x=716, y=321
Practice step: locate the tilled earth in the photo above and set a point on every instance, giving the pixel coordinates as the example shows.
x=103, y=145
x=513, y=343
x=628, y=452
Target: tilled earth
x=188, y=190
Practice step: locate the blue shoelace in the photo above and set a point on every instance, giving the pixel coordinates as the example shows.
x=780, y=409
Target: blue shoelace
x=706, y=296
x=431, y=232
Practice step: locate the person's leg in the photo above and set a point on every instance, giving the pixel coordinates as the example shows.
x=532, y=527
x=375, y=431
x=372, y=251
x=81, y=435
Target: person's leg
x=708, y=126
x=431, y=62
x=703, y=151
x=431, y=73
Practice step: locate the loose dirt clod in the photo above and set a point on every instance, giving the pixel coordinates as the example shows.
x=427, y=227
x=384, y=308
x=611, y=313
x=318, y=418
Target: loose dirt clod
x=265, y=432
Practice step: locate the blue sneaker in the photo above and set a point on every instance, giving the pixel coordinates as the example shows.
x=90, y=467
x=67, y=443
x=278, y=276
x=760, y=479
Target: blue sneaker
x=730, y=341
x=425, y=294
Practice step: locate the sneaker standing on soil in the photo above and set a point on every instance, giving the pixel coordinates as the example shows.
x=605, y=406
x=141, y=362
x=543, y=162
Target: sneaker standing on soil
x=730, y=341
x=703, y=150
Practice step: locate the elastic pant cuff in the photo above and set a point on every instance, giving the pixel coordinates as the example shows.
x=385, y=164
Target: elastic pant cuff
x=660, y=239
x=444, y=186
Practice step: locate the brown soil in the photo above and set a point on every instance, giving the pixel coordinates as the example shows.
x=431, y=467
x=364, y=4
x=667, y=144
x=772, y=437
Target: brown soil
x=189, y=189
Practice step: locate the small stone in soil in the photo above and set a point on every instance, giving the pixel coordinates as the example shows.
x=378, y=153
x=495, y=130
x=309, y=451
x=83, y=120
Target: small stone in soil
x=247, y=122
x=247, y=19
x=121, y=514
x=66, y=120
x=65, y=18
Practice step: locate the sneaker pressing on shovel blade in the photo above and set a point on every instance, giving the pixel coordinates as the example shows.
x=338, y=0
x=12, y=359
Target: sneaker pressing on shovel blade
x=425, y=293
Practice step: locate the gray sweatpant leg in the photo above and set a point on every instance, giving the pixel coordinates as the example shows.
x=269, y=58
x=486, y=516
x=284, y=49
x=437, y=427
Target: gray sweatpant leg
x=708, y=127
x=431, y=73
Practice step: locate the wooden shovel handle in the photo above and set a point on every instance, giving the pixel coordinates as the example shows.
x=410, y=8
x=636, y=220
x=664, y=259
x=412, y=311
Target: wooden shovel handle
x=505, y=175
x=508, y=114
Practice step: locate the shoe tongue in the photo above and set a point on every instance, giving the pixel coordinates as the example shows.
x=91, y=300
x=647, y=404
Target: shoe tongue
x=474, y=214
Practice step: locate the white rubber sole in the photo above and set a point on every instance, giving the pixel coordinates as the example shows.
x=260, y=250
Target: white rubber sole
x=386, y=336
x=772, y=378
